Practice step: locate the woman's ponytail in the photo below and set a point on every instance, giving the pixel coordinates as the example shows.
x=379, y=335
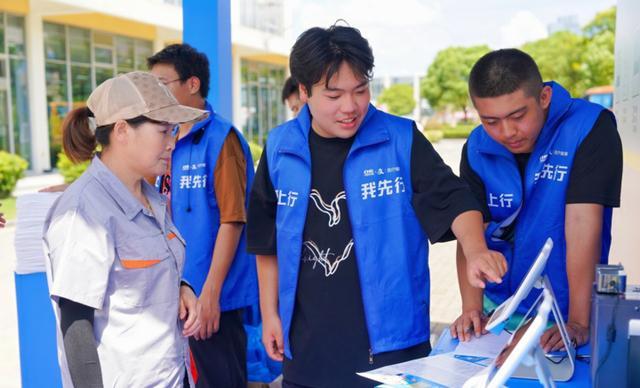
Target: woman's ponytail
x=78, y=136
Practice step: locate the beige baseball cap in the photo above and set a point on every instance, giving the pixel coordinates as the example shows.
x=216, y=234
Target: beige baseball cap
x=138, y=94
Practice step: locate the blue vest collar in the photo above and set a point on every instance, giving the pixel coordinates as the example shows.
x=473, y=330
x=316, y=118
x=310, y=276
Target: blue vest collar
x=296, y=143
x=202, y=124
x=559, y=106
x=370, y=132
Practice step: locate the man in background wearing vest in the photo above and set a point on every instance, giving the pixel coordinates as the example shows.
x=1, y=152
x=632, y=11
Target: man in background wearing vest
x=542, y=164
x=343, y=202
x=208, y=181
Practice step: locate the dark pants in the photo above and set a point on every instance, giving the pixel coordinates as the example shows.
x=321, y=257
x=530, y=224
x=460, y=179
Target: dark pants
x=221, y=361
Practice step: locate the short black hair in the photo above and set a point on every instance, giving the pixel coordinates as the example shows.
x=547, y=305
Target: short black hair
x=503, y=72
x=290, y=87
x=319, y=52
x=187, y=61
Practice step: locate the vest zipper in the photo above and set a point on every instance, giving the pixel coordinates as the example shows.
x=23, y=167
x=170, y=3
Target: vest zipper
x=370, y=356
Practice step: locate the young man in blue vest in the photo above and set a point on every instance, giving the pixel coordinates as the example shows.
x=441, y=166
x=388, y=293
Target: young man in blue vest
x=344, y=200
x=543, y=165
x=208, y=181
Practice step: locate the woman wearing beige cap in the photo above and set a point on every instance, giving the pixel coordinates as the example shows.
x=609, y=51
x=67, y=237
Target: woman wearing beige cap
x=114, y=258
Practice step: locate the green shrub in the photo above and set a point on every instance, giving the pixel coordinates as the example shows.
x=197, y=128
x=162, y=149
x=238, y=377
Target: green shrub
x=69, y=170
x=461, y=131
x=256, y=151
x=434, y=135
x=11, y=169
x=430, y=124
x=8, y=207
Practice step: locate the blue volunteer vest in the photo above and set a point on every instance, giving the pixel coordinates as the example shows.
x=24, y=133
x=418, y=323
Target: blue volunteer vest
x=390, y=246
x=546, y=180
x=192, y=164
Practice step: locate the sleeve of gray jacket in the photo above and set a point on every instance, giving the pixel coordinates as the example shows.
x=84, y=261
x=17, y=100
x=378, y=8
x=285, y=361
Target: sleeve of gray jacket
x=82, y=252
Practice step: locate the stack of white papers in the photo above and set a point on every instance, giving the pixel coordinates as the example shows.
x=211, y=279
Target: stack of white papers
x=31, y=211
x=450, y=366
x=443, y=370
x=488, y=345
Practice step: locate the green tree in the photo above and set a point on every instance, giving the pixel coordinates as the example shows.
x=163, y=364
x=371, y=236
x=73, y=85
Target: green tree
x=398, y=98
x=599, y=48
x=448, y=75
x=560, y=58
x=598, y=58
x=604, y=21
x=578, y=62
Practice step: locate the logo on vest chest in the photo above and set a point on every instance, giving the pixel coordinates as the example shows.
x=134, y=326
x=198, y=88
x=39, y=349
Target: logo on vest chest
x=192, y=180
x=560, y=153
x=194, y=166
x=382, y=182
x=286, y=198
x=380, y=171
x=382, y=188
x=500, y=200
x=553, y=172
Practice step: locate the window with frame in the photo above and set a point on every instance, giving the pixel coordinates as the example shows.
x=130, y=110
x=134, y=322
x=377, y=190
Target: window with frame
x=262, y=108
x=15, y=131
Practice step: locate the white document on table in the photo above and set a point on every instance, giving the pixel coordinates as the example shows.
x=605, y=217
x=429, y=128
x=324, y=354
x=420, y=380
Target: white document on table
x=488, y=345
x=449, y=369
x=443, y=370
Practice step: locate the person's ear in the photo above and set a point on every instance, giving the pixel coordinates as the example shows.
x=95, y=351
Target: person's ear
x=121, y=131
x=194, y=85
x=304, y=95
x=545, y=96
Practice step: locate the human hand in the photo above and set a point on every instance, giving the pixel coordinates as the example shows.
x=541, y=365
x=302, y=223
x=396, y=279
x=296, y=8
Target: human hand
x=551, y=339
x=209, y=313
x=485, y=265
x=272, y=337
x=189, y=311
x=471, y=322
x=511, y=345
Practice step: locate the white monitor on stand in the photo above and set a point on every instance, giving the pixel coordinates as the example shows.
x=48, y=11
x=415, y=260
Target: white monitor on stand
x=502, y=313
x=526, y=352
x=561, y=368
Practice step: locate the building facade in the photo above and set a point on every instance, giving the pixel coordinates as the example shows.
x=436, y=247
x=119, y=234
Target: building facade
x=53, y=53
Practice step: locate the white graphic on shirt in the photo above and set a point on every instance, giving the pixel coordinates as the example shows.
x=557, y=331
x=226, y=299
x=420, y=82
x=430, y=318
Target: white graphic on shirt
x=318, y=256
x=332, y=209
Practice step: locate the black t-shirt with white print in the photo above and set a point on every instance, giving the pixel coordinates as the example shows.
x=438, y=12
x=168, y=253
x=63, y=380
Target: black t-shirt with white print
x=328, y=282
x=328, y=337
